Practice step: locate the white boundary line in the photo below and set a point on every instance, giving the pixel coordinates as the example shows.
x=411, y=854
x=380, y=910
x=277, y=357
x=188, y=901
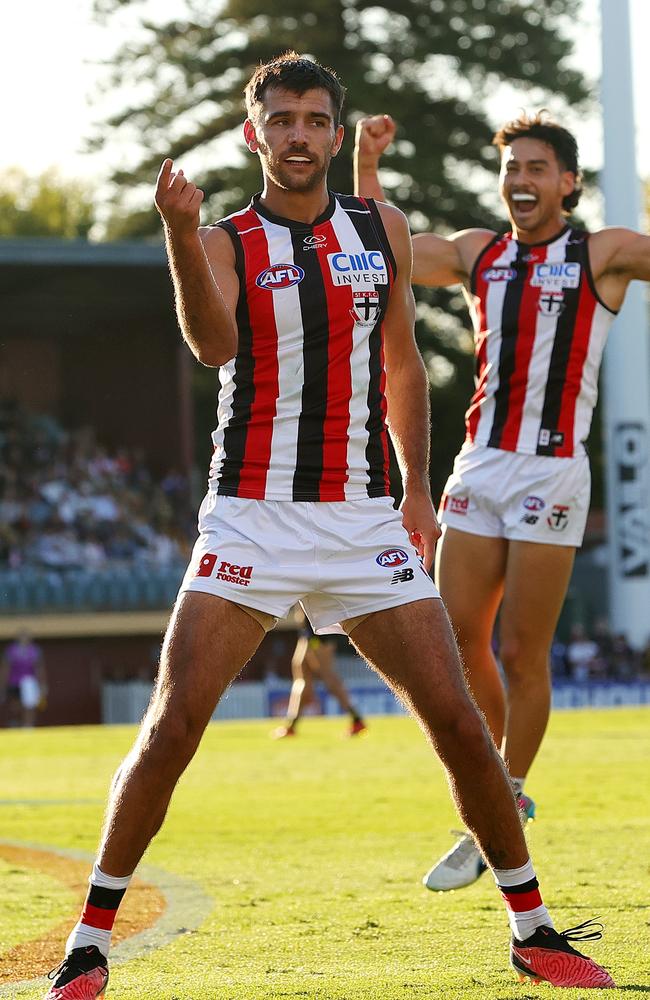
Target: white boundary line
x=187, y=906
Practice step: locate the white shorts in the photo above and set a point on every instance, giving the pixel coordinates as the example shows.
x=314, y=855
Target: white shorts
x=528, y=498
x=30, y=692
x=340, y=560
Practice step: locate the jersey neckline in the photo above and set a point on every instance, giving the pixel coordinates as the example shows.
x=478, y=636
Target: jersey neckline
x=293, y=224
x=542, y=243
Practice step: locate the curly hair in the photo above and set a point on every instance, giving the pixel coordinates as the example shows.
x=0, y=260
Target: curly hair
x=298, y=74
x=541, y=127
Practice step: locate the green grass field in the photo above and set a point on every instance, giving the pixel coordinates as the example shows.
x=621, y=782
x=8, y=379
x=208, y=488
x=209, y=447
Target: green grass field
x=313, y=849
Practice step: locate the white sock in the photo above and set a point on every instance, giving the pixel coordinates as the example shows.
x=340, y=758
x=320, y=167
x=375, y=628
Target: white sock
x=520, y=890
x=84, y=933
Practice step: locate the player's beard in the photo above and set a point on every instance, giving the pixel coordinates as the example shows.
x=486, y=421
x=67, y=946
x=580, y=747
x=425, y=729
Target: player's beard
x=283, y=177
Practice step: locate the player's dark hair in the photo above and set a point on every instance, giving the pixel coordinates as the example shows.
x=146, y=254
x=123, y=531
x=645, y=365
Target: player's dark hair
x=298, y=74
x=541, y=127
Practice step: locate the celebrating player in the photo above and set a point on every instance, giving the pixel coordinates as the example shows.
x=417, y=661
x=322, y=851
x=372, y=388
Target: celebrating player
x=542, y=298
x=299, y=298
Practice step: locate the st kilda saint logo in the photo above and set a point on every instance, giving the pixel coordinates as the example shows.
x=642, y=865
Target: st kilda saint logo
x=365, y=309
x=551, y=304
x=558, y=519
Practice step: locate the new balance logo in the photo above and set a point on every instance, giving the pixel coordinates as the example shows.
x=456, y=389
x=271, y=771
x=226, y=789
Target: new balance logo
x=402, y=576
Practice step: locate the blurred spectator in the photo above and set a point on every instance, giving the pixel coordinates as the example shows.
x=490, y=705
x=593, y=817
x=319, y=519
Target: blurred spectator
x=582, y=654
x=559, y=662
x=644, y=663
x=601, y=657
x=23, y=683
x=67, y=502
x=623, y=662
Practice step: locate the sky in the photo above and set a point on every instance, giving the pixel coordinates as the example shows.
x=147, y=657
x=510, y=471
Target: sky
x=48, y=72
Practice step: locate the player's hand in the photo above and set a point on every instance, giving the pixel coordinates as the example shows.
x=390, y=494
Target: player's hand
x=373, y=137
x=178, y=200
x=419, y=518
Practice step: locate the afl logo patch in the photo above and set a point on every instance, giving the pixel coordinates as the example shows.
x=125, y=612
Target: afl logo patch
x=534, y=503
x=280, y=276
x=390, y=558
x=499, y=274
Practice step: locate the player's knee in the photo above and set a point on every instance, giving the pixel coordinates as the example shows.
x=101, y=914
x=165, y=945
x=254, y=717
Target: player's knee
x=511, y=654
x=522, y=662
x=171, y=737
x=463, y=728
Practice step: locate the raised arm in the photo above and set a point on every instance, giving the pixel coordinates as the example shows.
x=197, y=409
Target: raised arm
x=437, y=260
x=407, y=394
x=202, y=268
x=617, y=257
x=373, y=136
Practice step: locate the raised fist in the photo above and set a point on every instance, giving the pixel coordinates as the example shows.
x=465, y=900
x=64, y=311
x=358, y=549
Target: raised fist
x=374, y=135
x=178, y=200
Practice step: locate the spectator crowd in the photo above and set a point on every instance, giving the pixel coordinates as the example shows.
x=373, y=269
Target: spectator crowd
x=598, y=655
x=66, y=502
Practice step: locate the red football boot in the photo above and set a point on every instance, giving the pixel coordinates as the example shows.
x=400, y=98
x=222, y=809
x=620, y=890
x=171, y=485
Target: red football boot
x=547, y=956
x=82, y=975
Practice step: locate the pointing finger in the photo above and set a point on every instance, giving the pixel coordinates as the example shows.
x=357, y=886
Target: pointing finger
x=164, y=174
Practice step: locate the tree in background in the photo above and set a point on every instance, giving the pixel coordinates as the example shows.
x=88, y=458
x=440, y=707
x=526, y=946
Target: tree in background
x=45, y=205
x=432, y=64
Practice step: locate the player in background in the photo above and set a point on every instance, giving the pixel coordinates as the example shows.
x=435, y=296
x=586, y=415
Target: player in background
x=303, y=298
x=23, y=681
x=313, y=657
x=542, y=298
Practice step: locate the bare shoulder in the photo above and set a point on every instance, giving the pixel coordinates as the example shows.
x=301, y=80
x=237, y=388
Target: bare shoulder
x=611, y=238
x=398, y=233
x=614, y=236
x=616, y=249
x=217, y=245
x=393, y=218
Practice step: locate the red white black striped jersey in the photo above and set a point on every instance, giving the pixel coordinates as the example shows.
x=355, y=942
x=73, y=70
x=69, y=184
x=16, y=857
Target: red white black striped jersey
x=301, y=410
x=539, y=330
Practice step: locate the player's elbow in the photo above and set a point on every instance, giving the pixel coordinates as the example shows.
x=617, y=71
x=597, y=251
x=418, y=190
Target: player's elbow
x=214, y=355
x=213, y=359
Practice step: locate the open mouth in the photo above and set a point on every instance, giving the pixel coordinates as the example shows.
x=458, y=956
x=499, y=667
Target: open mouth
x=298, y=160
x=523, y=201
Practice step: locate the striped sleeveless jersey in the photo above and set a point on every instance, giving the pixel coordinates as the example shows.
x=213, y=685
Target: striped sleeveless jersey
x=301, y=410
x=539, y=330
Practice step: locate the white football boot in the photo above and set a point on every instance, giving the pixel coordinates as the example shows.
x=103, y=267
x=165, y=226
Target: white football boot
x=460, y=866
x=463, y=863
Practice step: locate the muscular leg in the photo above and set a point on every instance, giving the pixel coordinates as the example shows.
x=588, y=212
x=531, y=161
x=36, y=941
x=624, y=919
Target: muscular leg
x=413, y=648
x=470, y=571
x=208, y=641
x=537, y=577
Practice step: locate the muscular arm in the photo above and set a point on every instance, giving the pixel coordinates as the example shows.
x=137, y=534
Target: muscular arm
x=202, y=269
x=617, y=257
x=437, y=260
x=407, y=393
